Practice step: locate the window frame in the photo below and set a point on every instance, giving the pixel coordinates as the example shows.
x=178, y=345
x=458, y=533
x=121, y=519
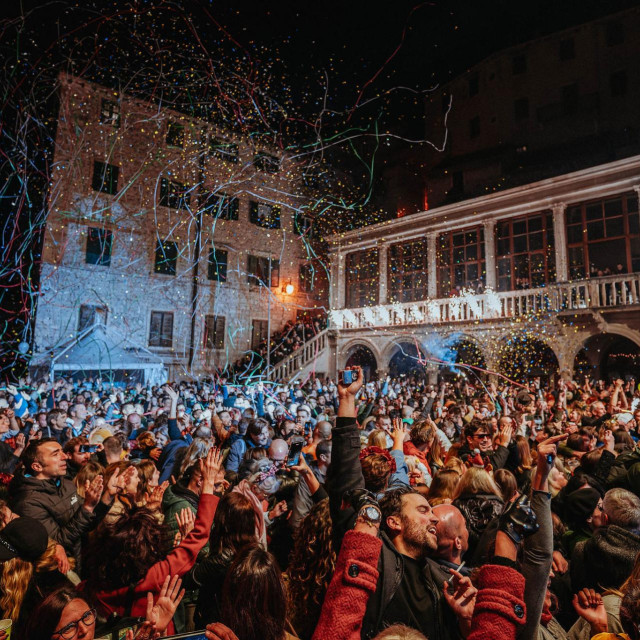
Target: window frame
x=165, y=317
x=258, y=273
x=161, y=257
x=174, y=195
x=217, y=268
x=362, y=278
x=105, y=177
x=274, y=219
x=107, y=115
x=103, y=258
x=214, y=331
x=451, y=265
x=412, y=264
x=226, y=207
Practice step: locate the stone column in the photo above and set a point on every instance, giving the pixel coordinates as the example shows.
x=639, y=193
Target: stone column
x=432, y=261
x=560, y=241
x=383, y=272
x=338, y=281
x=490, y=254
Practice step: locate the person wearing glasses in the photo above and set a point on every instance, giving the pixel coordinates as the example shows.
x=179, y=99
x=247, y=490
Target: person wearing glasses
x=479, y=437
x=64, y=615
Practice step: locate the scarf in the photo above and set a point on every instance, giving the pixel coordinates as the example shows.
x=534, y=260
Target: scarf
x=261, y=528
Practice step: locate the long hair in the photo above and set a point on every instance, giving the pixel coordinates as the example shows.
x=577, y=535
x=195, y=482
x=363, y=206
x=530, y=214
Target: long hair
x=254, y=600
x=443, y=486
x=476, y=481
x=88, y=472
x=146, y=469
x=120, y=553
x=311, y=566
x=199, y=448
x=507, y=483
x=524, y=452
x=46, y=617
x=234, y=524
x=14, y=580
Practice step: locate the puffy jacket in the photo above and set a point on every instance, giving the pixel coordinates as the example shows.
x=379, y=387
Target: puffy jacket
x=175, y=499
x=57, y=505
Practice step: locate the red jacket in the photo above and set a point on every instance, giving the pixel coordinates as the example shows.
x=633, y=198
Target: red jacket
x=498, y=613
x=178, y=562
x=410, y=449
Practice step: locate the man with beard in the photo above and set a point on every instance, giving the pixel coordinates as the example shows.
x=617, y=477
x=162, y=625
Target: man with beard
x=407, y=590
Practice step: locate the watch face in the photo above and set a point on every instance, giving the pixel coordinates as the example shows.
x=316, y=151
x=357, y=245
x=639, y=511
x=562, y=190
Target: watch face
x=371, y=513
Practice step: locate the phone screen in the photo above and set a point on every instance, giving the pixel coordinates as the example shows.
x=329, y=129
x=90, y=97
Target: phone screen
x=193, y=635
x=294, y=454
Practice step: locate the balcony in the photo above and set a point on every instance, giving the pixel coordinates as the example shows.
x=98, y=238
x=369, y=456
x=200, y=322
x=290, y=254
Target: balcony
x=598, y=293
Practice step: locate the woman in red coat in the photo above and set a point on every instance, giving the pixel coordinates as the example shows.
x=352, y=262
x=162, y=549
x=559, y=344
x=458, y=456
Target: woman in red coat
x=133, y=556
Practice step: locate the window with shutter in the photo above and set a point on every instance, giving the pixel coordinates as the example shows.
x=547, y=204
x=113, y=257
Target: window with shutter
x=105, y=177
x=166, y=261
x=217, y=265
x=99, y=244
x=264, y=215
x=214, y=329
x=161, y=329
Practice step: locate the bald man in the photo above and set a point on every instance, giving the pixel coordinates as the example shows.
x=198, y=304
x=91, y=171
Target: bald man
x=453, y=539
x=278, y=452
x=321, y=432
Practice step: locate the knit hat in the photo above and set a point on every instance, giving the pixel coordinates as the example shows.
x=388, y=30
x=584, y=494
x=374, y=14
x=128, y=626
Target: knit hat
x=580, y=506
x=24, y=538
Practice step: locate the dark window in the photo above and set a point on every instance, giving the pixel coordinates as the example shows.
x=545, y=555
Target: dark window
x=175, y=135
x=474, y=127
x=109, y=113
x=214, y=328
x=602, y=235
x=258, y=332
x=473, y=86
x=302, y=225
x=521, y=108
x=217, y=268
x=567, y=49
x=222, y=206
x=362, y=278
x=224, y=150
x=408, y=268
x=264, y=215
x=519, y=64
x=525, y=252
x=615, y=33
x=307, y=277
x=173, y=194
x=258, y=271
x=105, y=177
x=618, y=83
x=166, y=258
x=99, y=243
x=570, y=99
x=89, y=315
x=266, y=162
x=161, y=329
x=461, y=260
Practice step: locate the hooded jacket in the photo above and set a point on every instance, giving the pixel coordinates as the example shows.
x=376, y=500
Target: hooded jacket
x=176, y=498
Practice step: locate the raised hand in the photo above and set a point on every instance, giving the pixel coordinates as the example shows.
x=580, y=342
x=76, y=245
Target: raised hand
x=159, y=614
x=279, y=510
x=154, y=499
x=504, y=437
x=92, y=493
x=186, y=519
x=460, y=595
x=209, y=467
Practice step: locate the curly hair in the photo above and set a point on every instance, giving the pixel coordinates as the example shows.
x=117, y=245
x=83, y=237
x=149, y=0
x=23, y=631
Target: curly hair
x=15, y=577
x=121, y=553
x=376, y=471
x=311, y=566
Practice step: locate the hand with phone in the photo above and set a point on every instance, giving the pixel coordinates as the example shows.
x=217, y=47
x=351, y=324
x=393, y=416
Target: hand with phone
x=295, y=451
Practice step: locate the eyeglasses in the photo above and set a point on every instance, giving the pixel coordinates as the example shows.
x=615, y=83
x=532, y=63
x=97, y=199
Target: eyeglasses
x=482, y=436
x=70, y=630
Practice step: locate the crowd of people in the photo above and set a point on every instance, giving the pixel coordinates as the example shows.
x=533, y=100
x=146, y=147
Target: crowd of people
x=283, y=343
x=321, y=509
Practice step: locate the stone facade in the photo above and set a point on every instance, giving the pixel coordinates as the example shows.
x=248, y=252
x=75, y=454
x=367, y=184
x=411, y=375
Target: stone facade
x=125, y=287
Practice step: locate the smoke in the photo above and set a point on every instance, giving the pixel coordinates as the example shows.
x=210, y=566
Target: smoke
x=442, y=348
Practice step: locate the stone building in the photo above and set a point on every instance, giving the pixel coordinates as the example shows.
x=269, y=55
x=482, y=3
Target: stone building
x=170, y=231
x=526, y=281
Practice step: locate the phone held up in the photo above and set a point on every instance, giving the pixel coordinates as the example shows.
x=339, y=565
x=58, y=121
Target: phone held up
x=88, y=448
x=294, y=453
x=348, y=376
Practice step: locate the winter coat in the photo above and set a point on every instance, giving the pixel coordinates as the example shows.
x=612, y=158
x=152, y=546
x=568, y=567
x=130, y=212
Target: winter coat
x=176, y=498
x=605, y=560
x=499, y=611
x=478, y=510
x=178, y=562
x=56, y=504
x=581, y=630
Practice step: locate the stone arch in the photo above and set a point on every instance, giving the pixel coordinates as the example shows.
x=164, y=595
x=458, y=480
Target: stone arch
x=609, y=355
x=404, y=355
x=523, y=356
x=361, y=353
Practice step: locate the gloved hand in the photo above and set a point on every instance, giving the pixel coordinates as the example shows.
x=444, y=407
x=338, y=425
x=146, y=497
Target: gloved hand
x=519, y=521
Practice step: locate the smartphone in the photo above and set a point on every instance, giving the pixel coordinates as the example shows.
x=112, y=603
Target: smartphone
x=294, y=453
x=349, y=376
x=88, y=448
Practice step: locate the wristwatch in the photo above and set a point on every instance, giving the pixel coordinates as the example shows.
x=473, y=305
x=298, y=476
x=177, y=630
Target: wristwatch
x=371, y=514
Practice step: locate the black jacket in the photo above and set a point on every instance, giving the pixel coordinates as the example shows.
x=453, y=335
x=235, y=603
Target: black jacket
x=345, y=473
x=57, y=506
x=497, y=458
x=478, y=510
